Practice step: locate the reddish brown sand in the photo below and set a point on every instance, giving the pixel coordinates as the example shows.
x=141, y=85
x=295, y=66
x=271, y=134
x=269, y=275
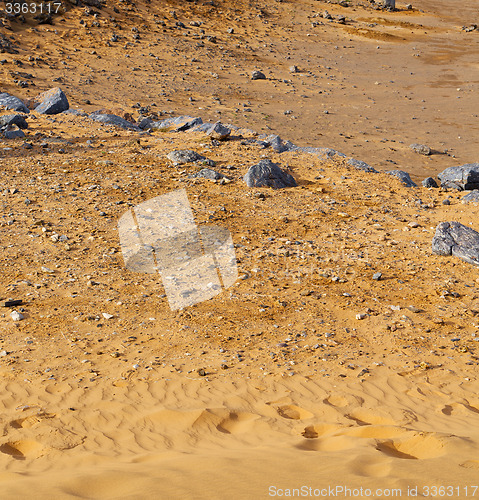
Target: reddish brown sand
x=116, y=408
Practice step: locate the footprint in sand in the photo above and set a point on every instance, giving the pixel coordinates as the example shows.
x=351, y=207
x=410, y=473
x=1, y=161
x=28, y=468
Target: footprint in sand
x=370, y=467
x=364, y=416
x=420, y=446
x=27, y=422
x=293, y=412
x=20, y=450
x=374, y=431
x=471, y=464
x=339, y=401
x=334, y=443
x=314, y=431
x=458, y=409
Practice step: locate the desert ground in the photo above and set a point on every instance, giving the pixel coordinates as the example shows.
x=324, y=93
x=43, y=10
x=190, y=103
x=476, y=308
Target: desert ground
x=307, y=372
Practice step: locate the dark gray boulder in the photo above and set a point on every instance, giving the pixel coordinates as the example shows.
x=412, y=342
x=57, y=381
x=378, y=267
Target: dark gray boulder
x=52, y=102
x=219, y=131
x=361, y=165
x=17, y=120
x=208, y=173
x=403, y=177
x=115, y=120
x=465, y=177
x=421, y=149
x=185, y=156
x=429, y=182
x=453, y=238
x=258, y=75
x=14, y=103
x=472, y=197
x=178, y=124
x=268, y=174
x=13, y=132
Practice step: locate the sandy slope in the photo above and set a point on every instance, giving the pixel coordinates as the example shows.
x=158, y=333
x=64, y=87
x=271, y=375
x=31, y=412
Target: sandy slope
x=115, y=408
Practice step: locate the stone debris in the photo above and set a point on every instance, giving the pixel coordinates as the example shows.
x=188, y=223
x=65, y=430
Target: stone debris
x=472, y=197
x=219, y=132
x=429, y=182
x=13, y=132
x=52, y=102
x=258, y=75
x=115, y=120
x=268, y=174
x=18, y=120
x=361, y=165
x=185, y=156
x=208, y=173
x=453, y=238
x=16, y=316
x=14, y=103
x=464, y=177
x=404, y=177
x=421, y=149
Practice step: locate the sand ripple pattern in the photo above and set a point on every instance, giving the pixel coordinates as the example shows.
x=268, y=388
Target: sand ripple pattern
x=113, y=439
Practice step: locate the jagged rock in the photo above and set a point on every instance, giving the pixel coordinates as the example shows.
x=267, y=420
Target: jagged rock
x=403, y=177
x=185, y=156
x=421, y=149
x=453, y=238
x=14, y=103
x=208, y=173
x=429, y=182
x=258, y=75
x=275, y=142
x=112, y=120
x=472, y=197
x=52, y=102
x=268, y=174
x=465, y=177
x=145, y=123
x=361, y=165
x=178, y=124
x=219, y=131
x=17, y=120
x=13, y=132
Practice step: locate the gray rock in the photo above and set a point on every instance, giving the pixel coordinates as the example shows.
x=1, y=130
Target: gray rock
x=145, y=123
x=17, y=120
x=75, y=112
x=453, y=238
x=258, y=75
x=465, y=177
x=13, y=132
x=208, y=173
x=268, y=174
x=177, y=124
x=185, y=156
x=52, y=102
x=219, y=131
x=429, y=182
x=115, y=120
x=472, y=197
x=361, y=165
x=403, y=177
x=14, y=103
x=275, y=142
x=421, y=149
